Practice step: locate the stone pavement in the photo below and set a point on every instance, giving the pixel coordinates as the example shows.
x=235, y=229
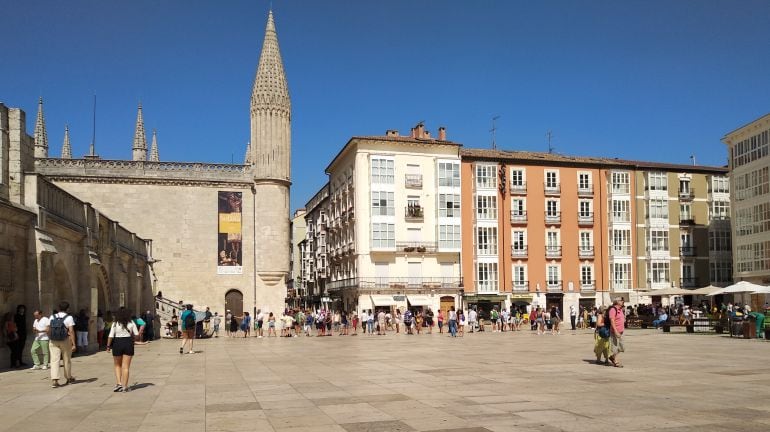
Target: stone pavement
x=482, y=382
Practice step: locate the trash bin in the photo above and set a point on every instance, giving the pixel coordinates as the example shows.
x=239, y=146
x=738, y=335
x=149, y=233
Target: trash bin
x=749, y=329
x=736, y=328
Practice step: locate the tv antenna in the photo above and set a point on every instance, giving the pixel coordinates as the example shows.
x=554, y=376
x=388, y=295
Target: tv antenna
x=494, y=132
x=549, y=137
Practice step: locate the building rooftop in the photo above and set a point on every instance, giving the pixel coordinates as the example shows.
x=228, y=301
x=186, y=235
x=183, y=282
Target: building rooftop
x=739, y=129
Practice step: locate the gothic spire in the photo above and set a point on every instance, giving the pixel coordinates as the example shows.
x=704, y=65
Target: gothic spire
x=154, y=157
x=140, y=140
x=247, y=158
x=66, y=149
x=41, y=135
x=270, y=87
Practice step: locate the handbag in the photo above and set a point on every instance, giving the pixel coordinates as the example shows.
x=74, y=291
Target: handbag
x=604, y=332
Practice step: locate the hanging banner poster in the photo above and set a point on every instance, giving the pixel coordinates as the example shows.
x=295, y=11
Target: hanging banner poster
x=229, y=252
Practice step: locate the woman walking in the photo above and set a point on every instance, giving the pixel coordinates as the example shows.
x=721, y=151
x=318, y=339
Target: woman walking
x=120, y=341
x=271, y=325
x=602, y=339
x=461, y=320
x=233, y=325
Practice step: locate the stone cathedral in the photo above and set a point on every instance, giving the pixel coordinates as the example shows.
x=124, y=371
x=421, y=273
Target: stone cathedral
x=218, y=233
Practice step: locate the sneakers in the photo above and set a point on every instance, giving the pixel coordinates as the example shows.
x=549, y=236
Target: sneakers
x=181, y=350
x=36, y=367
x=71, y=380
x=54, y=383
x=44, y=367
x=191, y=352
x=118, y=388
x=125, y=389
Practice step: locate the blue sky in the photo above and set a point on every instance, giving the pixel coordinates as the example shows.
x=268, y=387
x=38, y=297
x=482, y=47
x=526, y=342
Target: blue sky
x=651, y=80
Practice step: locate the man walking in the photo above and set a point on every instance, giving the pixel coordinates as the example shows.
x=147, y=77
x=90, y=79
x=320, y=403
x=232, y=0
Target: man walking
x=207, y=321
x=472, y=317
x=617, y=317
x=217, y=320
x=187, y=324
x=572, y=316
x=40, y=326
x=61, y=331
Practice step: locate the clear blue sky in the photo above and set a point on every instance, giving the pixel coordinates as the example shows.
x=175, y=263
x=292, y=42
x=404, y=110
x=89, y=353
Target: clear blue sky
x=652, y=80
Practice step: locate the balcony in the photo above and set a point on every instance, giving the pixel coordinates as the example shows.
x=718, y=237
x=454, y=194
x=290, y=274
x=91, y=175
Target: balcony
x=518, y=252
x=518, y=217
x=519, y=189
x=396, y=285
x=585, y=251
x=554, y=286
x=553, y=251
x=687, y=251
x=619, y=285
x=586, y=191
x=585, y=218
x=552, y=189
x=417, y=247
x=690, y=282
x=687, y=221
x=413, y=181
x=520, y=286
x=620, y=251
x=553, y=218
x=620, y=217
x=413, y=213
x=587, y=286
x=620, y=188
x=686, y=194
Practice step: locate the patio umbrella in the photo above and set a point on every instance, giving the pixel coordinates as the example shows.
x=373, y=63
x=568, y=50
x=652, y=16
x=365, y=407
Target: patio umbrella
x=705, y=290
x=740, y=287
x=762, y=290
x=668, y=292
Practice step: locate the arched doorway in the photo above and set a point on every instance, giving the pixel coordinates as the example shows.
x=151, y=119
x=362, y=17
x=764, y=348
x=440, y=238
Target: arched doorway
x=446, y=303
x=234, y=302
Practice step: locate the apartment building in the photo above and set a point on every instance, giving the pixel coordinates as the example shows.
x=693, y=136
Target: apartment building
x=750, y=198
x=295, y=289
x=393, y=227
x=314, y=270
x=553, y=230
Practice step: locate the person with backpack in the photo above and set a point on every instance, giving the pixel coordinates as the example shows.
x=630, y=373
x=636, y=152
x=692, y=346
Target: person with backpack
x=123, y=334
x=617, y=318
x=187, y=323
x=62, y=336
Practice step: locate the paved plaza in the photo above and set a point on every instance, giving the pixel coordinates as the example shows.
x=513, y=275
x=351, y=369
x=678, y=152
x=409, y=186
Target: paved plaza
x=482, y=382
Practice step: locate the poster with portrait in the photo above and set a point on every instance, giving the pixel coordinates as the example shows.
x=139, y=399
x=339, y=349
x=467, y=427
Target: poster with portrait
x=229, y=251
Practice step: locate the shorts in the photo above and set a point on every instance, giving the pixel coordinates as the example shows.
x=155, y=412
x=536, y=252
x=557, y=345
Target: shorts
x=260, y=324
x=122, y=346
x=616, y=344
x=188, y=334
x=429, y=321
x=271, y=324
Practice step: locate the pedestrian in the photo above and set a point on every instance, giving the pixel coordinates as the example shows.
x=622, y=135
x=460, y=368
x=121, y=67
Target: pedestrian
x=233, y=325
x=187, y=323
x=61, y=332
x=429, y=320
x=149, y=330
x=246, y=324
x=207, y=320
x=228, y=319
x=21, y=325
x=452, y=321
x=120, y=341
x=555, y=320
x=40, y=344
x=81, y=331
x=472, y=317
x=381, y=322
x=100, y=329
x=260, y=323
x=440, y=319
x=617, y=318
x=216, y=320
x=572, y=316
x=461, y=319
x=354, y=323
x=344, y=321
x=602, y=339
x=309, y=323
x=271, y=325
x=328, y=323
x=399, y=320
x=12, y=340
x=408, y=321
x=369, y=322
x=141, y=324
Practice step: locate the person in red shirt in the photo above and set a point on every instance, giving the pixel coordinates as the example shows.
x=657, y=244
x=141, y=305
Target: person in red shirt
x=617, y=327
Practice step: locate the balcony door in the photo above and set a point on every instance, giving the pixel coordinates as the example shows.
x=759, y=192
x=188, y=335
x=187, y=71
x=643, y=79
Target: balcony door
x=415, y=274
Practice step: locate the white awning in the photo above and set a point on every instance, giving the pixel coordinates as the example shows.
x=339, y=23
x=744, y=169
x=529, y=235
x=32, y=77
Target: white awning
x=419, y=300
x=383, y=300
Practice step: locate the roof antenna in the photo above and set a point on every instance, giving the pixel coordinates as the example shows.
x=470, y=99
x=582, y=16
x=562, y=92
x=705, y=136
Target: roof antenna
x=494, y=132
x=549, y=137
x=692, y=159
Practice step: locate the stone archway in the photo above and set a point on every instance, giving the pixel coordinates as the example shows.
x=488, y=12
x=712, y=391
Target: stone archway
x=61, y=288
x=234, y=302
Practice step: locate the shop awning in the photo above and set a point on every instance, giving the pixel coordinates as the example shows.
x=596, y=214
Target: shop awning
x=419, y=300
x=494, y=298
x=383, y=300
x=524, y=296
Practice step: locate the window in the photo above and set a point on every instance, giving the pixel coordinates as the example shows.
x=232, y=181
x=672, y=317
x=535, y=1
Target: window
x=486, y=176
x=657, y=181
x=620, y=182
x=658, y=209
x=684, y=186
x=720, y=241
x=486, y=207
x=685, y=212
x=750, y=149
x=720, y=210
x=584, y=209
x=518, y=241
x=586, y=240
x=620, y=211
x=449, y=174
x=449, y=205
x=383, y=236
x=449, y=236
x=621, y=275
x=659, y=272
x=659, y=240
x=552, y=239
x=552, y=208
x=720, y=185
x=621, y=242
x=517, y=207
x=553, y=275
x=752, y=184
x=519, y=276
x=586, y=275
x=584, y=181
x=551, y=180
x=685, y=239
x=382, y=203
x=721, y=271
x=383, y=171
x=517, y=178
x=486, y=277
x=486, y=241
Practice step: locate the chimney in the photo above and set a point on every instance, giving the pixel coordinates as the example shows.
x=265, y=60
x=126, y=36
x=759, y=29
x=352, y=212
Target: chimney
x=442, y=133
x=420, y=130
x=427, y=134
x=391, y=133
x=413, y=133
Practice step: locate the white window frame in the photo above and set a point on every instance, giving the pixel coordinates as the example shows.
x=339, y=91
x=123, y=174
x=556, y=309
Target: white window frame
x=449, y=205
x=486, y=176
x=658, y=240
x=383, y=170
x=377, y=199
x=584, y=186
x=449, y=236
x=383, y=236
x=657, y=181
x=486, y=207
x=486, y=240
x=487, y=277
x=448, y=174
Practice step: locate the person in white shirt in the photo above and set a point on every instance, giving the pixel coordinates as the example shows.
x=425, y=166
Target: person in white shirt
x=472, y=315
x=41, y=341
x=62, y=349
x=123, y=334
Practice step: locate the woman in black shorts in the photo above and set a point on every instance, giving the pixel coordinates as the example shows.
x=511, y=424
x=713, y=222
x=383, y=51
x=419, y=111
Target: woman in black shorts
x=123, y=333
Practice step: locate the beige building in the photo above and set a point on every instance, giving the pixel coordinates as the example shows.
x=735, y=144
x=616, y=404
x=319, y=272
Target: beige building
x=750, y=184
x=295, y=288
x=220, y=232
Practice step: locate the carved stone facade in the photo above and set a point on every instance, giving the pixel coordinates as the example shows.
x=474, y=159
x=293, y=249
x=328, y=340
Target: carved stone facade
x=55, y=247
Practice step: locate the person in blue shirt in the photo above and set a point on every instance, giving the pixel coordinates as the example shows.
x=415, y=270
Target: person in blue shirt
x=187, y=324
